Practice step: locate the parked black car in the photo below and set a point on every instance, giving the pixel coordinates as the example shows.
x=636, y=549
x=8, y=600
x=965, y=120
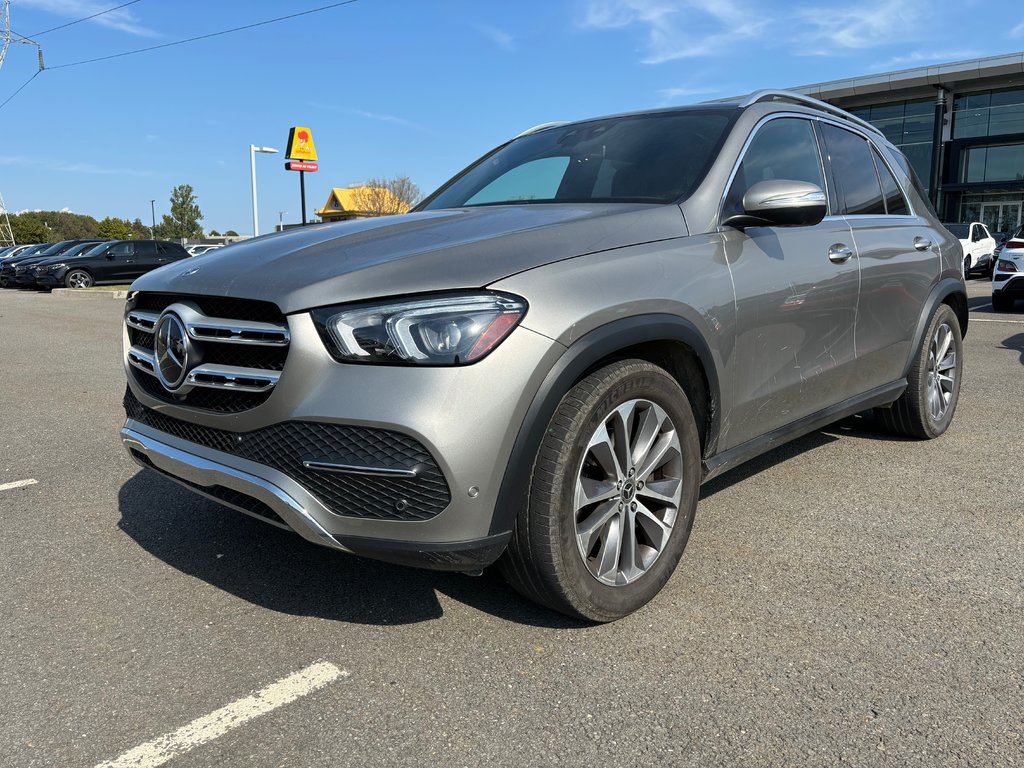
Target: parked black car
x=24, y=272
x=117, y=261
x=11, y=271
x=12, y=256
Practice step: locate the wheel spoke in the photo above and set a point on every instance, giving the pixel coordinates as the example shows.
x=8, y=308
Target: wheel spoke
x=610, y=549
x=650, y=425
x=590, y=528
x=630, y=562
x=656, y=530
x=661, y=450
x=604, y=454
x=948, y=362
x=665, y=492
x=943, y=338
x=590, y=491
x=621, y=421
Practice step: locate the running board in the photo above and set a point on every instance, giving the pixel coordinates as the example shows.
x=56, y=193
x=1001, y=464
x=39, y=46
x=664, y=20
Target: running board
x=726, y=460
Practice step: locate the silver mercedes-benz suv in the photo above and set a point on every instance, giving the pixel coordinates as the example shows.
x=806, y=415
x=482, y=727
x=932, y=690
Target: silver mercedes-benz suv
x=541, y=364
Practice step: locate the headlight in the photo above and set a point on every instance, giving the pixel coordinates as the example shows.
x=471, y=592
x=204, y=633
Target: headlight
x=1004, y=265
x=453, y=329
x=56, y=267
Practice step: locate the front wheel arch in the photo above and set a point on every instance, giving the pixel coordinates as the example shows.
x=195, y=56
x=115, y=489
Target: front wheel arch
x=668, y=341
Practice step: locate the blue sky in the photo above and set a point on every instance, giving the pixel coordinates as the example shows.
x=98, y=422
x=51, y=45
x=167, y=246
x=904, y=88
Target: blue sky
x=403, y=87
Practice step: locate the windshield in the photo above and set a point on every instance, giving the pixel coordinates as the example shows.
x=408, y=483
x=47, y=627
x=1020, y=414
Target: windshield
x=959, y=230
x=652, y=158
x=56, y=248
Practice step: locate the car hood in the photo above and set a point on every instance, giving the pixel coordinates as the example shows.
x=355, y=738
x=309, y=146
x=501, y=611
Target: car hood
x=413, y=253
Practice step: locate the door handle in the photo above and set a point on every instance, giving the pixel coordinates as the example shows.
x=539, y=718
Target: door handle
x=921, y=244
x=839, y=253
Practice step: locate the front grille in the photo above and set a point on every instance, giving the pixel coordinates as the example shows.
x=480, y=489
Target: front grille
x=287, y=445
x=263, y=348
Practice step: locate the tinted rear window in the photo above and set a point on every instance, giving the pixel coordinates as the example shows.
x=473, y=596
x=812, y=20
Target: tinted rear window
x=654, y=158
x=959, y=230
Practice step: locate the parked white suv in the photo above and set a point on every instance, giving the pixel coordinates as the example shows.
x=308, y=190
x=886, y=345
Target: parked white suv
x=1008, y=275
x=978, y=244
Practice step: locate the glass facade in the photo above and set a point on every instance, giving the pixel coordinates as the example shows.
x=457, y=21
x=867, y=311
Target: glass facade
x=999, y=163
x=988, y=113
x=908, y=125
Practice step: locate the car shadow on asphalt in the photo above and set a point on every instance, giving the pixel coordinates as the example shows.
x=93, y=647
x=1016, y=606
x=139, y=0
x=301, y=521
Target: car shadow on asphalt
x=1016, y=343
x=281, y=571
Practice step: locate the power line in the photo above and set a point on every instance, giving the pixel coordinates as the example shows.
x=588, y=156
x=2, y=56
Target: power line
x=2, y=104
x=204, y=37
x=79, y=21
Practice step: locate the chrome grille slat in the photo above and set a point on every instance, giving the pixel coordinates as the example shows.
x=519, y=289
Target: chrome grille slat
x=143, y=359
x=240, y=332
x=142, y=320
x=230, y=377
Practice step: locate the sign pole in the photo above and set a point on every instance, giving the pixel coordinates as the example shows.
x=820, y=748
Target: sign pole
x=302, y=194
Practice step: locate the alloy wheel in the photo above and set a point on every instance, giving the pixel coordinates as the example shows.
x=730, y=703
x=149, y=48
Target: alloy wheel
x=628, y=490
x=941, y=372
x=79, y=279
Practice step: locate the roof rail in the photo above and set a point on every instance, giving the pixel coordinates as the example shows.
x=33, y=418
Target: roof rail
x=541, y=127
x=798, y=98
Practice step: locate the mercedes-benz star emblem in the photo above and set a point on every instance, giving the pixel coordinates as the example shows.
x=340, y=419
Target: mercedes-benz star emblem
x=171, y=348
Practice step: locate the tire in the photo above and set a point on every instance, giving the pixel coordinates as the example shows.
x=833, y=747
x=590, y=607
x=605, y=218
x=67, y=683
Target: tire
x=78, y=278
x=563, y=550
x=967, y=268
x=1001, y=303
x=926, y=409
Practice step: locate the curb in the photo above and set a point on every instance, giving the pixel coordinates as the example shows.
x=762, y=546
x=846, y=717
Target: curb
x=89, y=294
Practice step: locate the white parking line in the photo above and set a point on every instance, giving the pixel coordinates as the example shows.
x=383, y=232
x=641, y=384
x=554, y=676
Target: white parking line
x=996, y=320
x=216, y=724
x=17, y=484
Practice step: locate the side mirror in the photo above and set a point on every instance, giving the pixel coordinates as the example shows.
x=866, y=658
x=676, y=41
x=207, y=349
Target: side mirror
x=781, y=203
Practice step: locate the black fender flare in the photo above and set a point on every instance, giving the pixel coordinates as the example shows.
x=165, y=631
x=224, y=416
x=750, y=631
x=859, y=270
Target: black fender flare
x=582, y=355
x=938, y=295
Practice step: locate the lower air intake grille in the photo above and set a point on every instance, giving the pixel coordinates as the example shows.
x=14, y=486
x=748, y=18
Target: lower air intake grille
x=287, y=445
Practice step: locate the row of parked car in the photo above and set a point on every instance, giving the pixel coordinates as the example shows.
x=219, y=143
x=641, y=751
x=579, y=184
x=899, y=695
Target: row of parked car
x=84, y=263
x=994, y=255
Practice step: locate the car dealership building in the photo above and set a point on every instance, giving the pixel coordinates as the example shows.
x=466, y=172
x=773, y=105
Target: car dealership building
x=961, y=125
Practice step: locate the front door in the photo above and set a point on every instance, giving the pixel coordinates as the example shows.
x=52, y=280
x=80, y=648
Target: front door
x=796, y=294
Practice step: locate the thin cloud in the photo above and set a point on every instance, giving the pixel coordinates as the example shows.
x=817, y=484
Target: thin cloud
x=366, y=115
x=499, y=37
x=826, y=29
x=920, y=58
x=1018, y=31
x=123, y=20
x=679, y=29
x=673, y=95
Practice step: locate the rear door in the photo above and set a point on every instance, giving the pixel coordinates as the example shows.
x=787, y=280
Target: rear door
x=898, y=252
x=169, y=252
x=796, y=293
x=146, y=258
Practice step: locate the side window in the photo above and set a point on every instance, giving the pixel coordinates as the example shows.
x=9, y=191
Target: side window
x=782, y=149
x=895, y=202
x=145, y=249
x=860, y=192
x=122, y=249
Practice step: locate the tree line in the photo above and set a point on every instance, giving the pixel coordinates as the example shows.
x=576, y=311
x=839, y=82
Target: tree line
x=53, y=226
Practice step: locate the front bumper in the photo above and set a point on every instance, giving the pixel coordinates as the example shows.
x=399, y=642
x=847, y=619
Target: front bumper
x=50, y=279
x=282, y=502
x=466, y=418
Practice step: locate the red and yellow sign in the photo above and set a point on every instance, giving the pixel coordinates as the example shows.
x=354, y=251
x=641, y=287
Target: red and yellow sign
x=300, y=144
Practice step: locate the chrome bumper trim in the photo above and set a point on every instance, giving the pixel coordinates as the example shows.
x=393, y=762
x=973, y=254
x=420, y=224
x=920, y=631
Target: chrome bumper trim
x=353, y=469
x=195, y=471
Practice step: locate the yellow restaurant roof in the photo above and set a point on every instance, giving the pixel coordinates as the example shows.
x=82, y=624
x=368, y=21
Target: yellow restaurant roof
x=341, y=199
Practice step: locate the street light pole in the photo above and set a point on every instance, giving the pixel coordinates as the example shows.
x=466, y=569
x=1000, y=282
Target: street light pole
x=253, y=149
x=280, y=220
x=152, y=211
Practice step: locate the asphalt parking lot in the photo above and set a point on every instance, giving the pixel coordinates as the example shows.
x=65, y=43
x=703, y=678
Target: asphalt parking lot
x=849, y=598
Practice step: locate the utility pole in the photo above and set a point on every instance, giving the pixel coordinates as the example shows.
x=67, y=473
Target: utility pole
x=152, y=211
x=8, y=36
